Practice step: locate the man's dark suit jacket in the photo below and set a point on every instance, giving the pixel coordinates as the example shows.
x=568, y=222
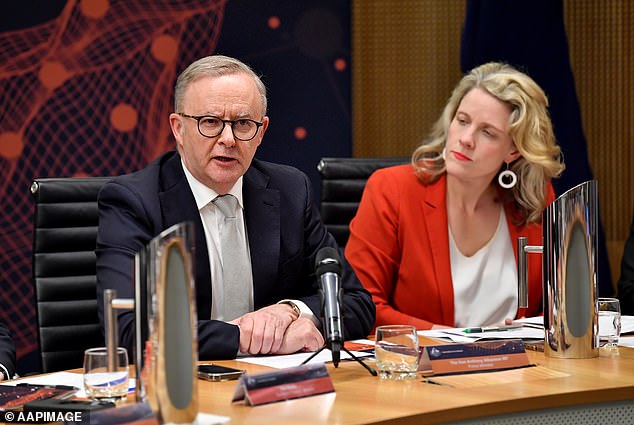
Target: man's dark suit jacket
x=284, y=229
x=7, y=350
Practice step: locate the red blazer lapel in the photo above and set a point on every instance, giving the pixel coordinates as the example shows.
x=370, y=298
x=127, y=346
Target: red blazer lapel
x=435, y=216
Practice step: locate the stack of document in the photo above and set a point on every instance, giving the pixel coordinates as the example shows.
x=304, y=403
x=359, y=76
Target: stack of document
x=526, y=329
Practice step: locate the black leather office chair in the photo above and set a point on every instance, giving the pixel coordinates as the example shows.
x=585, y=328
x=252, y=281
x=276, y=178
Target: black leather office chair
x=64, y=273
x=342, y=184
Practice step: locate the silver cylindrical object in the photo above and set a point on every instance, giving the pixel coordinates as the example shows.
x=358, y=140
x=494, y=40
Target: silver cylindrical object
x=111, y=304
x=570, y=273
x=169, y=341
x=111, y=329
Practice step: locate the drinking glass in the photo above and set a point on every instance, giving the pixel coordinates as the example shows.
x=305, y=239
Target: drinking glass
x=609, y=322
x=396, y=352
x=101, y=383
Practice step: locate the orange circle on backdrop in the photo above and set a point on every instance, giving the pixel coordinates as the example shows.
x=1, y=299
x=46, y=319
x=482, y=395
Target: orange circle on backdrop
x=300, y=133
x=11, y=145
x=124, y=117
x=94, y=8
x=340, y=64
x=274, y=22
x=53, y=74
x=164, y=48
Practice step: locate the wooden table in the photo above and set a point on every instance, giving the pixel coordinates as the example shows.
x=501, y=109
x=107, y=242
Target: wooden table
x=555, y=384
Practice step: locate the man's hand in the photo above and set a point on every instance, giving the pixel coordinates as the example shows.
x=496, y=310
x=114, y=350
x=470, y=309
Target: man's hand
x=262, y=331
x=301, y=335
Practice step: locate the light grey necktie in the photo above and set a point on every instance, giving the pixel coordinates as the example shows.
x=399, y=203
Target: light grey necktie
x=236, y=266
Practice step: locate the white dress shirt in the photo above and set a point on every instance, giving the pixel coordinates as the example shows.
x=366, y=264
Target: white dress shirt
x=204, y=197
x=209, y=216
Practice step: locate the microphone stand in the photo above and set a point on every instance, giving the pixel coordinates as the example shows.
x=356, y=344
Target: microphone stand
x=328, y=268
x=369, y=369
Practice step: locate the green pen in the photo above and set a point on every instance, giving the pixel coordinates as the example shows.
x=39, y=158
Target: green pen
x=491, y=328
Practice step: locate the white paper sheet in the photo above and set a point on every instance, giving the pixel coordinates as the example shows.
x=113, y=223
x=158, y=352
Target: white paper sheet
x=533, y=330
x=627, y=324
x=291, y=360
x=459, y=334
x=627, y=341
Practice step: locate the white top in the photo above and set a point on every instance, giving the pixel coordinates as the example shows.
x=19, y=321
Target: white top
x=485, y=284
x=207, y=209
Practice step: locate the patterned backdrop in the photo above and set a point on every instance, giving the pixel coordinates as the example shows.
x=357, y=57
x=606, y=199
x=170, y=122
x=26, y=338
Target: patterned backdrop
x=85, y=89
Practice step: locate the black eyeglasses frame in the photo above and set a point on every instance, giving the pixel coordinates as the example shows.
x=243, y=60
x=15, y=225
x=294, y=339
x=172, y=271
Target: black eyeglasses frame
x=258, y=124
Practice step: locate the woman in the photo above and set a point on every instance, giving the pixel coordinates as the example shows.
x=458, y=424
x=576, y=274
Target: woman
x=435, y=241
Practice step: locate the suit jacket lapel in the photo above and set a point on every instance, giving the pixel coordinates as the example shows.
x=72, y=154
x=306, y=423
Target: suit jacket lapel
x=178, y=205
x=262, y=211
x=435, y=216
x=177, y=201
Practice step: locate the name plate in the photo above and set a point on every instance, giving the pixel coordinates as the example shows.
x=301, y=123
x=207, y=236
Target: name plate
x=473, y=357
x=285, y=384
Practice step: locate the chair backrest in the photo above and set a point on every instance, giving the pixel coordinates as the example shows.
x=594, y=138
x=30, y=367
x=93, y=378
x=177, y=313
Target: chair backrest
x=64, y=272
x=342, y=184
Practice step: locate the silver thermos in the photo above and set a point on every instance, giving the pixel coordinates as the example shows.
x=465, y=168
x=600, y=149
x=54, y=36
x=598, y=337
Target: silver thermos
x=569, y=264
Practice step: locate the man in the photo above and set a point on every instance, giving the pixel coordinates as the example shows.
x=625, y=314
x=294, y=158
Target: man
x=7, y=353
x=219, y=123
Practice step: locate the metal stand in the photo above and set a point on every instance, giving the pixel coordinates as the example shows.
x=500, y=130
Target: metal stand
x=335, y=357
x=111, y=303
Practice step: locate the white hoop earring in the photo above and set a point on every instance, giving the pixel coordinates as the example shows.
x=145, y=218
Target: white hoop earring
x=507, y=175
x=443, y=154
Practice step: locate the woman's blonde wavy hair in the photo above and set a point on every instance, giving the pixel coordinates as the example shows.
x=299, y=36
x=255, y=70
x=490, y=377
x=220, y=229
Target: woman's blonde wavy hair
x=530, y=129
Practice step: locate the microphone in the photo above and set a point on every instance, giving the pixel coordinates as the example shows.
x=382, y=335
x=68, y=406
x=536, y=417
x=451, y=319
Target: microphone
x=328, y=271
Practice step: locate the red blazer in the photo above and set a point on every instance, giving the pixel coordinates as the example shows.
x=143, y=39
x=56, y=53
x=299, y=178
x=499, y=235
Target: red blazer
x=399, y=248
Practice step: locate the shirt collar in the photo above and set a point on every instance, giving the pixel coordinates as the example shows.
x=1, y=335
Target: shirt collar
x=204, y=195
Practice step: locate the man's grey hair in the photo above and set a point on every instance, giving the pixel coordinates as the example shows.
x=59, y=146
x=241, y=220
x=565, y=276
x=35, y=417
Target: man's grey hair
x=216, y=66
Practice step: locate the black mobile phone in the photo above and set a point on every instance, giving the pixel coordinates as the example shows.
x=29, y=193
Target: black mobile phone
x=212, y=372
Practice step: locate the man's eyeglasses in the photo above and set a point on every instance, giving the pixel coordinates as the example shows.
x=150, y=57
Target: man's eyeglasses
x=211, y=126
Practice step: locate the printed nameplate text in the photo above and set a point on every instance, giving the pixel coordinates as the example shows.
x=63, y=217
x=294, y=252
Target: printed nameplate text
x=473, y=357
x=284, y=384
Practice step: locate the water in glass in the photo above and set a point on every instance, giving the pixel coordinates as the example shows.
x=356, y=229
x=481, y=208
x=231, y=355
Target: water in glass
x=396, y=352
x=101, y=383
x=609, y=328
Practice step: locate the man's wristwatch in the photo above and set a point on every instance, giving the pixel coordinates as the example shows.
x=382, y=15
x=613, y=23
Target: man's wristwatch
x=295, y=308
